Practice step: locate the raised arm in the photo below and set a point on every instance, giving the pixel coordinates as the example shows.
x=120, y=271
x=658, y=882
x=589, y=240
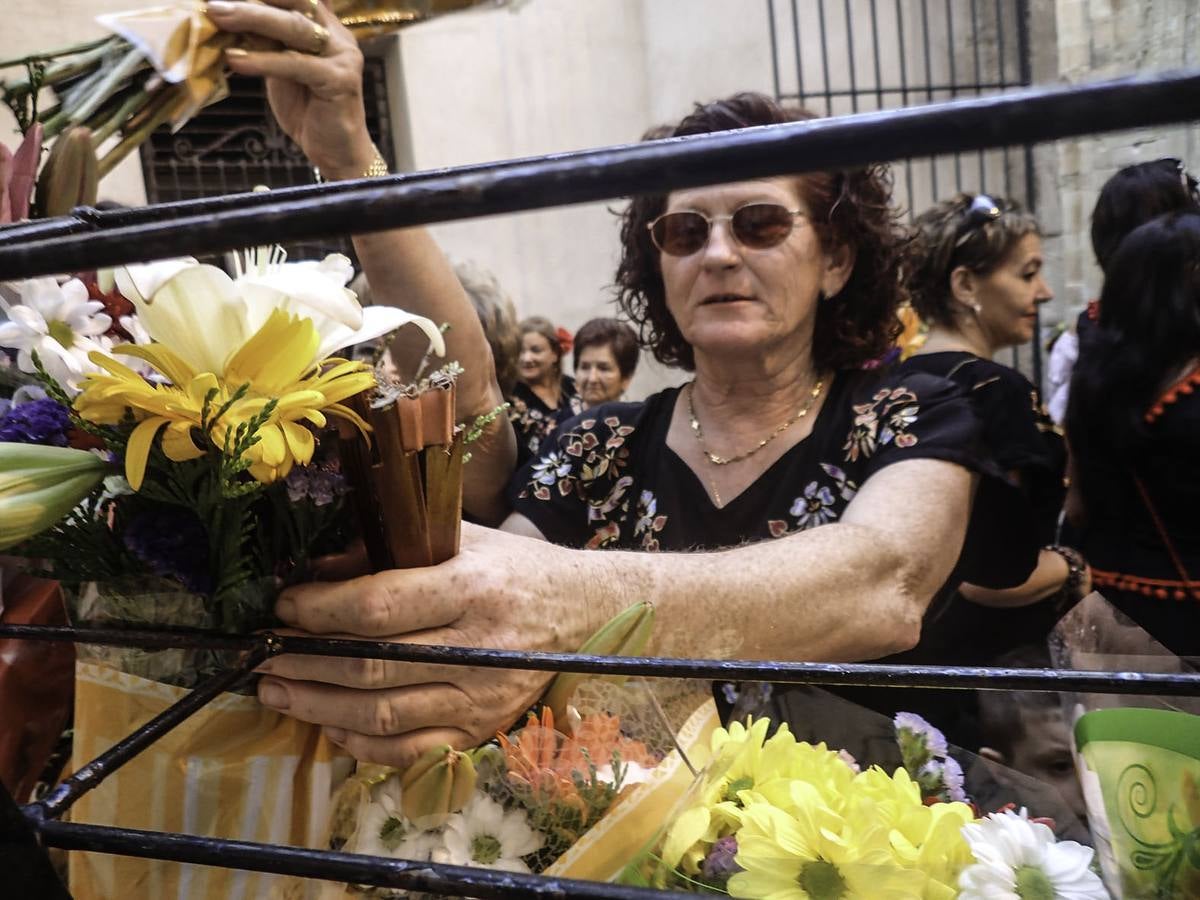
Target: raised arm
x=853, y=590
x=317, y=100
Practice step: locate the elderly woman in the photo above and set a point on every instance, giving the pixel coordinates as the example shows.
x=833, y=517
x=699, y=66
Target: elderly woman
x=773, y=292
x=606, y=358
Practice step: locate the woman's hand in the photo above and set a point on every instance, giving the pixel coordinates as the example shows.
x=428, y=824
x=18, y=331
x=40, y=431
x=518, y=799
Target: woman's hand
x=314, y=83
x=391, y=712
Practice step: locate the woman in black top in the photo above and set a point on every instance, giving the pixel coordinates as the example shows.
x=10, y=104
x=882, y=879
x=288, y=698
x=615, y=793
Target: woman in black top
x=977, y=280
x=816, y=511
x=1134, y=428
x=543, y=396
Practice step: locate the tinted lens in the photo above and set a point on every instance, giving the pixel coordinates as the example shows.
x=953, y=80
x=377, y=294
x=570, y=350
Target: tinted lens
x=680, y=233
x=762, y=225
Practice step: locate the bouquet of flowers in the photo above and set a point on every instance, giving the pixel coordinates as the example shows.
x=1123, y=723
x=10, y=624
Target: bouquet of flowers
x=775, y=817
x=179, y=470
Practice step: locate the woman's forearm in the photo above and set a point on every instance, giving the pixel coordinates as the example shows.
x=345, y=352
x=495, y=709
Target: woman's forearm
x=406, y=268
x=852, y=590
x=1047, y=579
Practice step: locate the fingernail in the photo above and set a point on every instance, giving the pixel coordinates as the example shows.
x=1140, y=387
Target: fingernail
x=337, y=735
x=220, y=6
x=236, y=52
x=286, y=610
x=273, y=694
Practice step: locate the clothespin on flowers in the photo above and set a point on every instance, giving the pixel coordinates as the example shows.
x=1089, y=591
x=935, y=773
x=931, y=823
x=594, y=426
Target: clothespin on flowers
x=408, y=482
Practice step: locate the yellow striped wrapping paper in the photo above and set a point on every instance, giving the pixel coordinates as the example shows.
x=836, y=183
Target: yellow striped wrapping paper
x=233, y=770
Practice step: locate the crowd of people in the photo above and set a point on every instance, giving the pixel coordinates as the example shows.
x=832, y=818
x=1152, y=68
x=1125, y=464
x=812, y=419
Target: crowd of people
x=794, y=499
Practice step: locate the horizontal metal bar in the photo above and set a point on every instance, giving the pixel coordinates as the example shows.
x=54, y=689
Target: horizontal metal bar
x=349, y=868
x=839, y=674
x=90, y=776
x=958, y=88
x=1037, y=114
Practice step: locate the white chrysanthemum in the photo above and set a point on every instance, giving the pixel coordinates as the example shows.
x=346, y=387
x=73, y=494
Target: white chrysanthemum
x=1017, y=859
x=383, y=830
x=487, y=836
x=58, y=323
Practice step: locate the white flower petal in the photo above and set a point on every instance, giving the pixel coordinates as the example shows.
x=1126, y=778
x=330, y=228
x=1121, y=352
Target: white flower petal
x=138, y=283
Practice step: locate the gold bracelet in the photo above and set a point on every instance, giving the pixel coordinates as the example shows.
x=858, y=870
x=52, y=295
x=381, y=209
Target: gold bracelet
x=377, y=169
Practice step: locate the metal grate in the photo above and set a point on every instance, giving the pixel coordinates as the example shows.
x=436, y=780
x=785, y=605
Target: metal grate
x=235, y=145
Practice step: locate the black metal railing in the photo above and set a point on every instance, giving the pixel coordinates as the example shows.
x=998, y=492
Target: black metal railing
x=89, y=238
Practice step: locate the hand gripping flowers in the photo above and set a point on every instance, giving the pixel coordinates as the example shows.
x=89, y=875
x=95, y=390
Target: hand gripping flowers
x=238, y=357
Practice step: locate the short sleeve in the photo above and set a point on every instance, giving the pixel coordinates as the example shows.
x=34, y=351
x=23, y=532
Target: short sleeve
x=915, y=415
x=1016, y=428
x=580, y=482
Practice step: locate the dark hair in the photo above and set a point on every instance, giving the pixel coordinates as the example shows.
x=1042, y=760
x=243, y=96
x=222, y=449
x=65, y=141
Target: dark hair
x=850, y=208
x=1134, y=196
x=498, y=317
x=1004, y=715
x=1149, y=328
x=610, y=333
x=954, y=233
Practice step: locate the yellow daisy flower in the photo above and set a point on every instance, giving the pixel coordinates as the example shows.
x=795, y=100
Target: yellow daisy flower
x=275, y=364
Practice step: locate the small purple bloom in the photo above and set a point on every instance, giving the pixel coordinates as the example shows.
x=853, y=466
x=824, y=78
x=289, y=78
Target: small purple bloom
x=720, y=863
x=43, y=421
x=917, y=728
x=315, y=483
x=952, y=777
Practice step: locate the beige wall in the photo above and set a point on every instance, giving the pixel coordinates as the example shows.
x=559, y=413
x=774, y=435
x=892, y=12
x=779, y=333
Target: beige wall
x=40, y=25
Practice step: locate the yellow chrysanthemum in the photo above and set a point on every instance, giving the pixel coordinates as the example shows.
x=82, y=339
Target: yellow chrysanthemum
x=812, y=853
x=275, y=363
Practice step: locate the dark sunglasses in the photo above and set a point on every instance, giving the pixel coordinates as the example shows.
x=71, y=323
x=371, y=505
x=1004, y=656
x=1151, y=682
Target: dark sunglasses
x=758, y=226
x=983, y=209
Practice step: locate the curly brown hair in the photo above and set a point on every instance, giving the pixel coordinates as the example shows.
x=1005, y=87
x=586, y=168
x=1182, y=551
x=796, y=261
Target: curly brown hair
x=851, y=208
x=943, y=238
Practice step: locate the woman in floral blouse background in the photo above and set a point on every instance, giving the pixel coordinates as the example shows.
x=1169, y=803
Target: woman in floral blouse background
x=544, y=395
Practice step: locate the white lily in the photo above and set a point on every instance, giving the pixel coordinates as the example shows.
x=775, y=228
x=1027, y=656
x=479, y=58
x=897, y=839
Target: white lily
x=39, y=485
x=205, y=316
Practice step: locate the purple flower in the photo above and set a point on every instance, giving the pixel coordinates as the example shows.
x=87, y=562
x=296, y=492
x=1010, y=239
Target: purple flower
x=942, y=779
x=42, y=421
x=720, y=862
x=315, y=483
x=952, y=777
x=912, y=727
x=172, y=543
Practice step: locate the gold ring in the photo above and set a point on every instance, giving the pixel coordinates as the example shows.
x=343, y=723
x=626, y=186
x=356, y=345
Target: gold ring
x=314, y=7
x=320, y=37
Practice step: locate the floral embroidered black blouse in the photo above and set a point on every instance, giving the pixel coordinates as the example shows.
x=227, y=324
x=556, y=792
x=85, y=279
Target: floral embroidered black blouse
x=607, y=479
x=534, y=421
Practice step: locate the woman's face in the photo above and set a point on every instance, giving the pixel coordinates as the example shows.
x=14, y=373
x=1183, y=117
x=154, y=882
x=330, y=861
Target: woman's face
x=1009, y=296
x=729, y=299
x=537, y=363
x=598, y=376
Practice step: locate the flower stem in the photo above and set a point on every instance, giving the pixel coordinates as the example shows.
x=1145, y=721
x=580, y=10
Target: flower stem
x=155, y=113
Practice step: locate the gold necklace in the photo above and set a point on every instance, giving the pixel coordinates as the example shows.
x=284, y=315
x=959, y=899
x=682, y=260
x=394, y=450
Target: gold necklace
x=726, y=460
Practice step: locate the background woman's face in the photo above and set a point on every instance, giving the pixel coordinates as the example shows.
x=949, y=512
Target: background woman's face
x=537, y=362
x=1009, y=296
x=598, y=376
x=727, y=298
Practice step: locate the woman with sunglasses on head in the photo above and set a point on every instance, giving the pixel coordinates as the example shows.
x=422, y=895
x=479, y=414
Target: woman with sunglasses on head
x=1134, y=427
x=774, y=292
x=544, y=395
x=977, y=280
x=606, y=358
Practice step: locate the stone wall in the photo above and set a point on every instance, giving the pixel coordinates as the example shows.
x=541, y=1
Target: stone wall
x=1098, y=39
